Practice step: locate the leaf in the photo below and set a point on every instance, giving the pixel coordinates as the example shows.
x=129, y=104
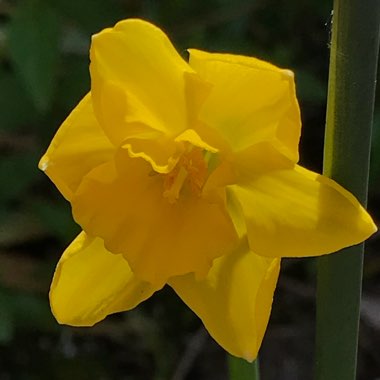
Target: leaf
x=56, y=218
x=91, y=15
x=17, y=172
x=34, y=33
x=27, y=310
x=310, y=88
x=10, y=110
x=75, y=82
x=6, y=326
x=374, y=174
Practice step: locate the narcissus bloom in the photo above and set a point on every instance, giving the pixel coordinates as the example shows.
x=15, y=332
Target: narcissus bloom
x=185, y=173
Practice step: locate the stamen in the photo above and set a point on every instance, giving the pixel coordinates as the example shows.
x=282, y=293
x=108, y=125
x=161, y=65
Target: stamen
x=172, y=192
x=190, y=173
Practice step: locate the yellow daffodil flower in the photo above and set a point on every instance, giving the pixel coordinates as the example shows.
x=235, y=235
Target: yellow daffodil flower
x=185, y=173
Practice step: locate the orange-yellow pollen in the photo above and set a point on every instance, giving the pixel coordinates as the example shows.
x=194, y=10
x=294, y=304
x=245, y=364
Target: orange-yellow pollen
x=190, y=173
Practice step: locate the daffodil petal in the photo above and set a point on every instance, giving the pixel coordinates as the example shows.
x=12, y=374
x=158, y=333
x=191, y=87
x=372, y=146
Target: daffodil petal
x=234, y=300
x=162, y=154
x=90, y=283
x=136, y=130
x=196, y=92
x=293, y=212
x=194, y=139
x=159, y=239
x=79, y=146
x=250, y=101
x=139, y=57
x=121, y=115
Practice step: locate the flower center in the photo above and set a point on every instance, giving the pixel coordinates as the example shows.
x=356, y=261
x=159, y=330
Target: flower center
x=188, y=176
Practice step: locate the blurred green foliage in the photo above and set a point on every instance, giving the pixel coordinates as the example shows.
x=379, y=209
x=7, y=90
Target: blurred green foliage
x=43, y=74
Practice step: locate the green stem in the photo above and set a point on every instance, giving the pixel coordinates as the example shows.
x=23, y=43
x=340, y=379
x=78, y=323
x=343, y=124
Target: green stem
x=353, y=64
x=242, y=370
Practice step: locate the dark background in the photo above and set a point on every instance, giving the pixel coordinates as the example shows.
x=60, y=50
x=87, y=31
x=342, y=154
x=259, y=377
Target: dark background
x=43, y=74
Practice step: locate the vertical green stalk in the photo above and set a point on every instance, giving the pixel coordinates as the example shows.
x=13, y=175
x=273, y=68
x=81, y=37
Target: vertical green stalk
x=353, y=65
x=242, y=370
